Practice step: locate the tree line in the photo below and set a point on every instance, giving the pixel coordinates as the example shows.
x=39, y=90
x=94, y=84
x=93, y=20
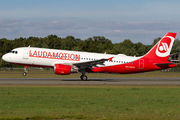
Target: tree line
x=97, y=44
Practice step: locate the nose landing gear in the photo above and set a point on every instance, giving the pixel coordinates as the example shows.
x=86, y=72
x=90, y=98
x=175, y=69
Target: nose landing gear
x=25, y=71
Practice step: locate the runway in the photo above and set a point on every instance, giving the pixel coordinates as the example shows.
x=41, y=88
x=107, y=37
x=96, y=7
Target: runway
x=91, y=81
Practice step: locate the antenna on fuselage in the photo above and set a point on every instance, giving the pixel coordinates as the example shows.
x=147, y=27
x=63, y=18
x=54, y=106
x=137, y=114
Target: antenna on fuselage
x=29, y=46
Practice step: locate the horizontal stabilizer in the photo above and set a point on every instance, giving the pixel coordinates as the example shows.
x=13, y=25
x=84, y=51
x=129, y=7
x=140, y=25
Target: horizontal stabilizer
x=163, y=64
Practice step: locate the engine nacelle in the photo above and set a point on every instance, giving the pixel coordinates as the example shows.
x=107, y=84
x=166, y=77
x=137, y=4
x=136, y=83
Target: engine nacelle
x=62, y=69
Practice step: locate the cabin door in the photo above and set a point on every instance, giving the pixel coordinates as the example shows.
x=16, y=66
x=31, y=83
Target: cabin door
x=26, y=53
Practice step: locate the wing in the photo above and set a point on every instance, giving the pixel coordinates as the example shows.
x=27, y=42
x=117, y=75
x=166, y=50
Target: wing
x=90, y=64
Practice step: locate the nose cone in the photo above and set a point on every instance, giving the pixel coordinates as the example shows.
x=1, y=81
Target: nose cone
x=5, y=57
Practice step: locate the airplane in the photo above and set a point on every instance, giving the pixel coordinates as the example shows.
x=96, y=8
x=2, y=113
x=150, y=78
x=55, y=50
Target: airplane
x=65, y=62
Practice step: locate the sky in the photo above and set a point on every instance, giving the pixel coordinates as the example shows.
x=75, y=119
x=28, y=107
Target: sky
x=117, y=20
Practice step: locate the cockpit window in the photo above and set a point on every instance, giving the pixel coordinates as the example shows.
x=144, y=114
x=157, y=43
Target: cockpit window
x=14, y=52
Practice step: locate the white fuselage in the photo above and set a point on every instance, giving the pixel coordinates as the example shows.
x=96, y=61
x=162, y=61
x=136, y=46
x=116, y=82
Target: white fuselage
x=49, y=57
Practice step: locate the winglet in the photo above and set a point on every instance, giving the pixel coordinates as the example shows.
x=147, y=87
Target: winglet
x=110, y=59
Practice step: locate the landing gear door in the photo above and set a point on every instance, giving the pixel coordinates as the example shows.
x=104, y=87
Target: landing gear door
x=26, y=53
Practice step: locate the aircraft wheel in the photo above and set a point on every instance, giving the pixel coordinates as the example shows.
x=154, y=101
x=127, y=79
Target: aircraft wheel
x=24, y=73
x=83, y=77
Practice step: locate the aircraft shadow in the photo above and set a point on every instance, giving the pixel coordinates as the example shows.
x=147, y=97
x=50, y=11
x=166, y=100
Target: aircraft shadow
x=92, y=79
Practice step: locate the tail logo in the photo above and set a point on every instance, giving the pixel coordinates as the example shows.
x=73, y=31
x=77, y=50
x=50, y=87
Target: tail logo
x=164, y=46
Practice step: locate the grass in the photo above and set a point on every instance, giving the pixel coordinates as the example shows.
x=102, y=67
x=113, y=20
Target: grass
x=89, y=102
x=50, y=74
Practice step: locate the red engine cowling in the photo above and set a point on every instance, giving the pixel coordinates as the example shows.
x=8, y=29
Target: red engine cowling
x=62, y=69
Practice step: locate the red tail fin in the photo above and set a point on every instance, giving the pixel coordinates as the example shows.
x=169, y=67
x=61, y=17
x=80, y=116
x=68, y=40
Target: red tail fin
x=163, y=48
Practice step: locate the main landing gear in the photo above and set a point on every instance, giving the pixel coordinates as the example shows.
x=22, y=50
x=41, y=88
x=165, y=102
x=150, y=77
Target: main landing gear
x=25, y=71
x=83, y=76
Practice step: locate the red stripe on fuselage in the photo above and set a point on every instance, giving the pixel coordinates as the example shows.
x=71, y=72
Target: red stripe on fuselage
x=33, y=65
x=148, y=65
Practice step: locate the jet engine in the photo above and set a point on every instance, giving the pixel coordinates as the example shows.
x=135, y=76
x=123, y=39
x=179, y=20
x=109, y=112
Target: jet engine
x=64, y=69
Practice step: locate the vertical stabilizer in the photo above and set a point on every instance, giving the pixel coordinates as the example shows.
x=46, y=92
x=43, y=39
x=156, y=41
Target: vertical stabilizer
x=162, y=49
